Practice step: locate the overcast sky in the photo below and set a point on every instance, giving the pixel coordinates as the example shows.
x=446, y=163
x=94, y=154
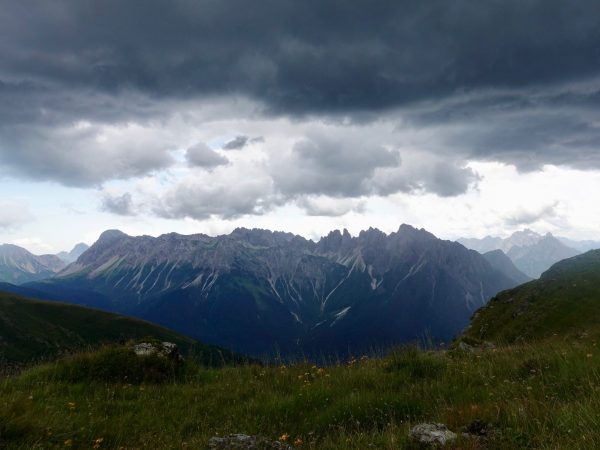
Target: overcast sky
x=467, y=118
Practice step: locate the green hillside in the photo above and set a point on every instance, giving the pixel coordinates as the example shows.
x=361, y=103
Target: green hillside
x=32, y=330
x=564, y=301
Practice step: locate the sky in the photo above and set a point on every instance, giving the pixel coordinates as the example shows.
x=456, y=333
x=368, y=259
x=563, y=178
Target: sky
x=199, y=116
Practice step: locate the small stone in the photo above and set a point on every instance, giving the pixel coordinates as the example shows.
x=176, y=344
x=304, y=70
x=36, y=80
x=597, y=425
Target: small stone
x=432, y=434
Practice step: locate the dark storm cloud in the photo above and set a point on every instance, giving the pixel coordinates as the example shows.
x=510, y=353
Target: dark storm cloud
x=528, y=128
x=115, y=62
x=311, y=56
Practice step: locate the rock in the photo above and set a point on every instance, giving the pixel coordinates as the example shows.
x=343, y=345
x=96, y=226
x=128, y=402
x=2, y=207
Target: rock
x=245, y=442
x=466, y=347
x=163, y=349
x=432, y=434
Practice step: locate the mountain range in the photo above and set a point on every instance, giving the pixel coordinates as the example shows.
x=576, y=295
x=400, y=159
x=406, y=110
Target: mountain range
x=19, y=266
x=258, y=291
x=531, y=252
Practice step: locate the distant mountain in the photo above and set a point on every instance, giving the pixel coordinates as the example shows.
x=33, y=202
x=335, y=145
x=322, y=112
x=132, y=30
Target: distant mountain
x=32, y=330
x=256, y=291
x=565, y=300
x=69, y=257
x=500, y=261
x=537, y=258
x=531, y=253
x=582, y=246
x=523, y=238
x=19, y=266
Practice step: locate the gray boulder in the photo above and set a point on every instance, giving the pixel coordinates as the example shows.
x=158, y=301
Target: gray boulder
x=432, y=434
x=163, y=349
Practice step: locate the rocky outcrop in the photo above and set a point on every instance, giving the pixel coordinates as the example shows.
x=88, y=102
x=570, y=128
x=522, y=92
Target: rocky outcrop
x=167, y=350
x=432, y=434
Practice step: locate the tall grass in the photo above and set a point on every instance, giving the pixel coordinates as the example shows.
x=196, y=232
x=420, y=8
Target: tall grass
x=542, y=395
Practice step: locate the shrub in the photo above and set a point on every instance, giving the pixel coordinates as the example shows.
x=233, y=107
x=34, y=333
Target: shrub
x=116, y=365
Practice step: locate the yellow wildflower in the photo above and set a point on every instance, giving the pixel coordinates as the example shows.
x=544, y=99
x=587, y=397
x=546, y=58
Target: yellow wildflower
x=284, y=437
x=69, y=443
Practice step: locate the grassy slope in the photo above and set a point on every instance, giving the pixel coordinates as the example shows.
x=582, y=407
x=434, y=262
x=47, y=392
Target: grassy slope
x=535, y=396
x=564, y=301
x=31, y=330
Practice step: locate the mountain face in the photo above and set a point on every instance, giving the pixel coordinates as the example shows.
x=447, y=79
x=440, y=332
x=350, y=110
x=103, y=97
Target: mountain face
x=535, y=259
x=18, y=266
x=256, y=290
x=76, y=252
x=565, y=300
x=531, y=253
x=582, y=246
x=501, y=262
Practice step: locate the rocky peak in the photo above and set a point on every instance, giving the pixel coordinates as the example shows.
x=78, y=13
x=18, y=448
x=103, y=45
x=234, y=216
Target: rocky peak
x=409, y=232
x=110, y=236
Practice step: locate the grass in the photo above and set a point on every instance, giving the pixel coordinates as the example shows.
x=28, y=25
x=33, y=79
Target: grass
x=32, y=330
x=564, y=301
x=542, y=395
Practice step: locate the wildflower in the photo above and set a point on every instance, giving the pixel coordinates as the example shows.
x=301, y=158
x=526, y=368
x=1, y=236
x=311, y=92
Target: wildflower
x=69, y=443
x=589, y=355
x=284, y=437
x=298, y=441
x=71, y=405
x=98, y=442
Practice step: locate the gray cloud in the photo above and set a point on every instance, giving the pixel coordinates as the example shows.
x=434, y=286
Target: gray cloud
x=329, y=207
x=338, y=167
x=81, y=155
x=481, y=77
x=201, y=155
x=239, y=142
x=522, y=217
x=215, y=196
x=121, y=205
x=292, y=55
x=528, y=128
